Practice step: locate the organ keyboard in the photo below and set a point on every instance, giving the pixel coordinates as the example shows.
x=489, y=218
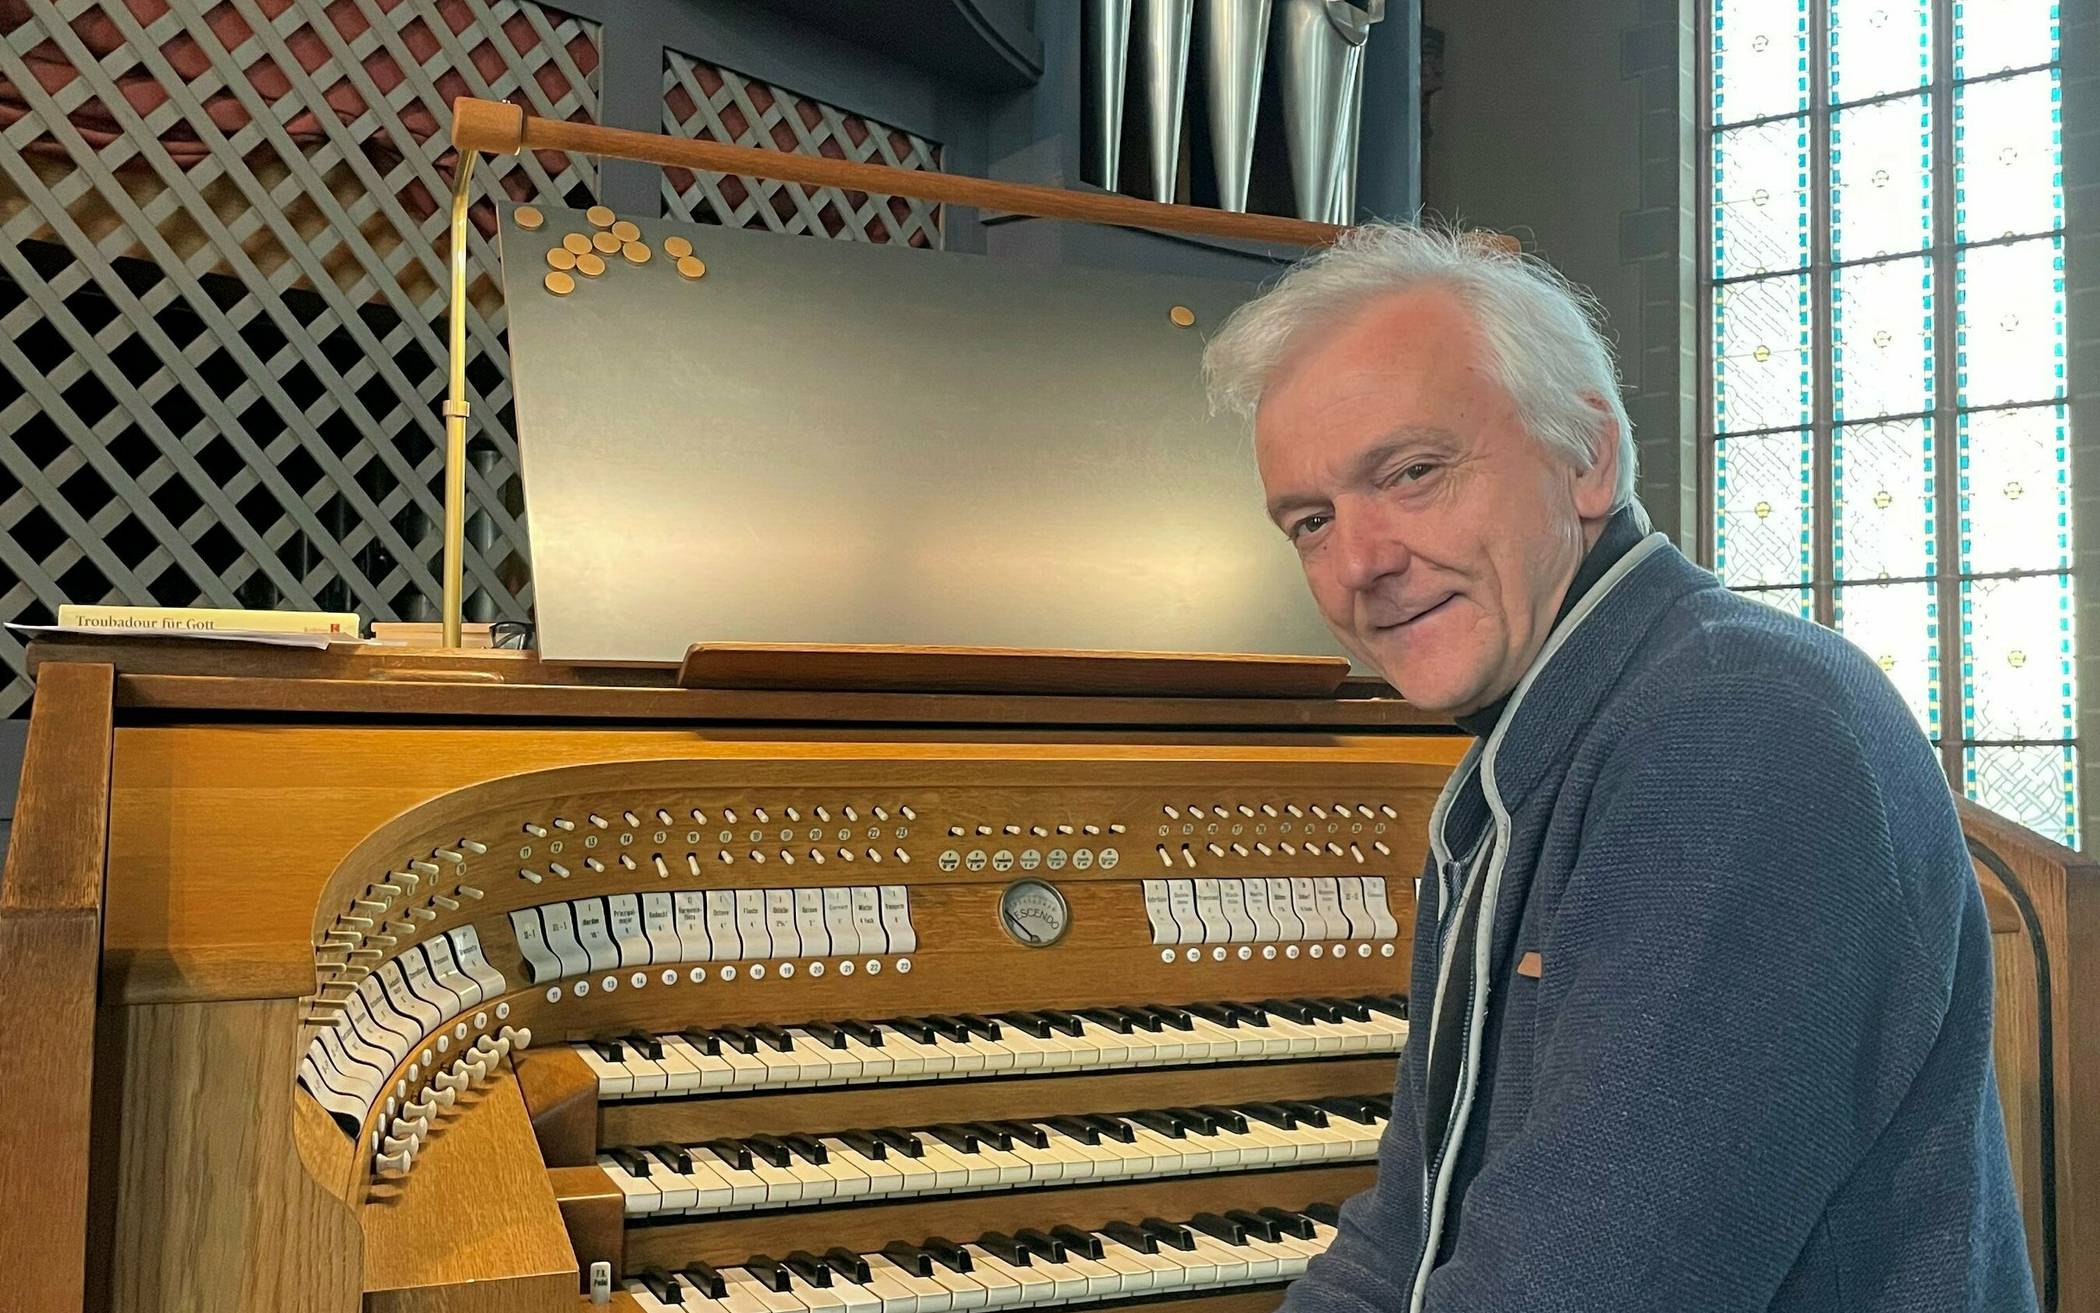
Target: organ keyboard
x=450, y=978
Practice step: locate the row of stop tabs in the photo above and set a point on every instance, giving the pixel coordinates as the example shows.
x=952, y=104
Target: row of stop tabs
x=715, y=925
x=1275, y=909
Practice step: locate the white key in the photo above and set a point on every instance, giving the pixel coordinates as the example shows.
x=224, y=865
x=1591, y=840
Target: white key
x=901, y=1291
x=1031, y=1287
x=964, y=1290
x=639, y=1196
x=1134, y=1277
x=1174, y=1157
x=713, y=1193
x=881, y=1174
x=818, y=1183
x=1002, y=1289
x=747, y=1189
x=677, y=1192
x=1281, y=1147
x=912, y=1058
x=1071, y=1281
x=1233, y=1264
x=710, y=1070
x=953, y=1171
x=772, y=1301
x=1044, y=1164
x=613, y=1078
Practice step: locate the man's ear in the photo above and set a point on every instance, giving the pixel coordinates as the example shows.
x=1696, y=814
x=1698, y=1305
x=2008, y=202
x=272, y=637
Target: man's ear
x=1597, y=487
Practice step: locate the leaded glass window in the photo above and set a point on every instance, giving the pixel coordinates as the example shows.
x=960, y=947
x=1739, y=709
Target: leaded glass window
x=1888, y=435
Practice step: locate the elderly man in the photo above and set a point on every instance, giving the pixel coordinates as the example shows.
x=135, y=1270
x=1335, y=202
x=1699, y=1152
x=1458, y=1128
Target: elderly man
x=1702, y=980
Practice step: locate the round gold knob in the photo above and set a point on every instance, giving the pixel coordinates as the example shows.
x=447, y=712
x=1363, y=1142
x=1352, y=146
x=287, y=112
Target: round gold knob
x=577, y=244
x=605, y=242
x=561, y=257
x=1182, y=316
x=560, y=283
x=590, y=266
x=600, y=216
x=677, y=247
x=528, y=217
x=636, y=253
x=691, y=266
x=626, y=231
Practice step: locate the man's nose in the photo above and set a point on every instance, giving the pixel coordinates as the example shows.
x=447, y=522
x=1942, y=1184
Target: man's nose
x=1368, y=545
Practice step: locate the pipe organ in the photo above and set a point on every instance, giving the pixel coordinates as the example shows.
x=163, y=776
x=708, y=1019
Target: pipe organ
x=455, y=983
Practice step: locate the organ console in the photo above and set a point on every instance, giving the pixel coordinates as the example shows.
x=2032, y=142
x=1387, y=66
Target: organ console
x=439, y=982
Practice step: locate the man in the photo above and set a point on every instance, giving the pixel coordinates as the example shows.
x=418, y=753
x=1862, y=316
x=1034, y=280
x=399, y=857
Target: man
x=1702, y=979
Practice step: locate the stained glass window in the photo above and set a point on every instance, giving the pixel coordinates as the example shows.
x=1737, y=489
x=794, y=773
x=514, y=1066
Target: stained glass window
x=1889, y=441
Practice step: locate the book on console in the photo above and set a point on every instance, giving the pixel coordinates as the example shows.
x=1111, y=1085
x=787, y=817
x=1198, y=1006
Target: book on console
x=205, y=620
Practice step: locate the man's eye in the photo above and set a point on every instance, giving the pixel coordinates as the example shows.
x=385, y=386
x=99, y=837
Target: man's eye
x=1303, y=528
x=1416, y=472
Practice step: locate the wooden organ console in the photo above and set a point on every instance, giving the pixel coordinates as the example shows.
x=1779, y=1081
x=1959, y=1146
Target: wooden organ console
x=412, y=981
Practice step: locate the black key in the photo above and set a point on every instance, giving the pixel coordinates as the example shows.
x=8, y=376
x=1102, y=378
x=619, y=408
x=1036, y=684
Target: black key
x=1227, y=1119
x=1004, y=1248
x=1066, y=1022
x=1112, y=1127
x=774, y=1038
x=736, y=1037
x=865, y=1143
x=1351, y=1009
x=1247, y=1013
x=829, y=1036
x=1224, y=1228
x=948, y=1028
x=1288, y=1009
x=646, y=1045
x=807, y=1149
x=609, y=1049
x=1049, y=1248
x=674, y=1157
x=1307, y=1114
x=909, y=1257
x=1215, y=1014
x=863, y=1032
x=635, y=1163
x=1142, y=1019
x=1178, y=1018
x=1083, y=1243
x=814, y=1271
x=982, y=1027
x=914, y=1028
x=1255, y=1224
x=1328, y=1214
x=1165, y=1123
x=710, y=1281
x=1035, y=1136
x=991, y=1134
x=1073, y=1128
x=770, y=1149
x=1109, y=1018
x=903, y=1142
x=1028, y=1023
x=1131, y=1237
x=1271, y=1114
x=1393, y=1005
x=732, y=1152
x=662, y=1285
x=1289, y=1223
x=852, y=1266
x=1359, y=1111
x=704, y=1040
x=1168, y=1233
x=948, y=1254
x=955, y=1137
x=771, y=1273
x=1320, y=1010
x=1195, y=1120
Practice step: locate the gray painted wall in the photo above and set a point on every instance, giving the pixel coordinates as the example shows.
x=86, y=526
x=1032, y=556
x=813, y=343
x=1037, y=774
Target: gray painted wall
x=1569, y=125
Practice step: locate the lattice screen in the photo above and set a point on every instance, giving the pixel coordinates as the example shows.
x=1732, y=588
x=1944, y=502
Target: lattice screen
x=223, y=299
x=704, y=101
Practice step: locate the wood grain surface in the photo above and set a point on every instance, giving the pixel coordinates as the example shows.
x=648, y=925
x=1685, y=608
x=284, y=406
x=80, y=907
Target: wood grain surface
x=50, y=946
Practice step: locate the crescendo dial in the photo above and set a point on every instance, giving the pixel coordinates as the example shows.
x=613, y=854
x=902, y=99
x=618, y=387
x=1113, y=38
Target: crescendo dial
x=1034, y=913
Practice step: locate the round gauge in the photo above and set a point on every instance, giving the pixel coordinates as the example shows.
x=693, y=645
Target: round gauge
x=1034, y=913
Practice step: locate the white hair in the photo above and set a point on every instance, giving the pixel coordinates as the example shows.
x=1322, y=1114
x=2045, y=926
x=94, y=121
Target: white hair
x=1545, y=347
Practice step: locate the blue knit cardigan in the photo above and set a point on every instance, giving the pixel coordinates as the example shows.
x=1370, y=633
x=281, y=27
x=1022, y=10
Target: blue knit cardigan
x=1753, y=1070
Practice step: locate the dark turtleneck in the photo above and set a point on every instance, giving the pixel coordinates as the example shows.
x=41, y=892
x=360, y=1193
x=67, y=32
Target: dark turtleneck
x=1619, y=536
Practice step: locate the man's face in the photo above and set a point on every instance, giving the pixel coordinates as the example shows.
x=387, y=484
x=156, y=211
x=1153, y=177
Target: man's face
x=1438, y=535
